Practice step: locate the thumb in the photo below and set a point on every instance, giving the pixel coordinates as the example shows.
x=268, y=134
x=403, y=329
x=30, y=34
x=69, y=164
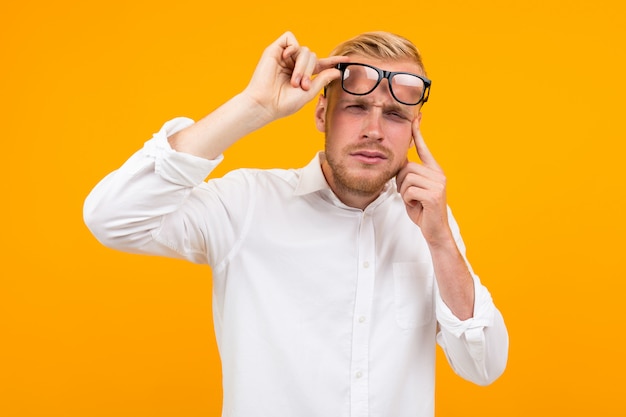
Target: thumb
x=324, y=78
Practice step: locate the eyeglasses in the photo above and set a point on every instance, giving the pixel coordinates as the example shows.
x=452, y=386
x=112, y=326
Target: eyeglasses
x=405, y=87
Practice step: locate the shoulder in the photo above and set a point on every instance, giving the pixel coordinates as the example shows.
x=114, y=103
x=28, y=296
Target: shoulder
x=257, y=178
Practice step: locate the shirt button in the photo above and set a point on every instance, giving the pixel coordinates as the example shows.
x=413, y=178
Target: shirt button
x=359, y=374
x=366, y=264
x=362, y=319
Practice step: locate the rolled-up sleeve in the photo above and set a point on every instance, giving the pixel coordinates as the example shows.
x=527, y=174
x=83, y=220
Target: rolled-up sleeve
x=476, y=348
x=125, y=210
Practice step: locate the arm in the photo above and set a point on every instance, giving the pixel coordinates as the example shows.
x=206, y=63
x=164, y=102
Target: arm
x=423, y=189
x=472, y=332
x=139, y=207
x=476, y=348
x=154, y=202
x=281, y=85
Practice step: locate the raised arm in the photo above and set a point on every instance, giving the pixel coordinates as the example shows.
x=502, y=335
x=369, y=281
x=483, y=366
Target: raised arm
x=151, y=205
x=286, y=78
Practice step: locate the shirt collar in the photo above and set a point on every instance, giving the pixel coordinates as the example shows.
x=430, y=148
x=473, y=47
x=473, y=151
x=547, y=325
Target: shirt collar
x=311, y=177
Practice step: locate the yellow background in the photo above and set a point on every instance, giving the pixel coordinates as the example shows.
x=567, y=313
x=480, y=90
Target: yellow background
x=526, y=116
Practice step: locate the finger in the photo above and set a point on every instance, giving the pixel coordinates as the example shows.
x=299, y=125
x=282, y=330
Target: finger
x=291, y=56
x=413, y=197
x=325, y=72
x=287, y=41
x=414, y=180
x=410, y=192
x=420, y=171
x=423, y=152
x=402, y=173
x=324, y=78
x=330, y=62
x=285, y=48
x=309, y=68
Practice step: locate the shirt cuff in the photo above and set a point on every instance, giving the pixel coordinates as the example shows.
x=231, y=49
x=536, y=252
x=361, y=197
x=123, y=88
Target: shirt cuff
x=178, y=167
x=484, y=311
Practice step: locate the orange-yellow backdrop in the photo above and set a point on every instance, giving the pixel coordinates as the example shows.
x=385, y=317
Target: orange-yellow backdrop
x=526, y=116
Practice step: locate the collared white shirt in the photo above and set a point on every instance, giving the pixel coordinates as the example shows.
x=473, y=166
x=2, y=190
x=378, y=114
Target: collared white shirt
x=320, y=309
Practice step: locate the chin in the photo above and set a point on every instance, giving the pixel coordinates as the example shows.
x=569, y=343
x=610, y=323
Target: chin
x=365, y=184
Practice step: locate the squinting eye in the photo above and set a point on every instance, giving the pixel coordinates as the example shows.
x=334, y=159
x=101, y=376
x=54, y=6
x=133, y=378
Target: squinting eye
x=398, y=116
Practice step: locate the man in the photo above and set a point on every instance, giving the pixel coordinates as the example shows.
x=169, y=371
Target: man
x=332, y=283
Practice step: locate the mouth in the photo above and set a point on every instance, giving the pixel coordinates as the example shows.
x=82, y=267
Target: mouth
x=369, y=156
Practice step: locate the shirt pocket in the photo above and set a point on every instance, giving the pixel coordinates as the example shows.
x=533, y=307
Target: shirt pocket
x=413, y=293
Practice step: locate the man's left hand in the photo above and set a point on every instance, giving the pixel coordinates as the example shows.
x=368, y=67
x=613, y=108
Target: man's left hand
x=423, y=189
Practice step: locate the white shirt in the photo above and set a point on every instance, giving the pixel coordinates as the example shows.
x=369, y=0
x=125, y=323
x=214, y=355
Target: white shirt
x=320, y=309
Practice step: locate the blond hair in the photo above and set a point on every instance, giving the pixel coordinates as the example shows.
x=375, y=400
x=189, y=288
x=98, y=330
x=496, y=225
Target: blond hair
x=381, y=45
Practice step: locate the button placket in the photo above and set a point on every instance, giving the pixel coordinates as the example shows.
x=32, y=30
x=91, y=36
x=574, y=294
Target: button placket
x=362, y=309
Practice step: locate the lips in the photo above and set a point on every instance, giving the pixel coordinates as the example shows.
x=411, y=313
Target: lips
x=369, y=156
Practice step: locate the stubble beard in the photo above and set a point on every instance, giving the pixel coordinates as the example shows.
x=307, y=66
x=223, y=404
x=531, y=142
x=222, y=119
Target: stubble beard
x=351, y=182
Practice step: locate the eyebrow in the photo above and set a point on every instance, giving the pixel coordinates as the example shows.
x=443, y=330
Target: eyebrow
x=363, y=100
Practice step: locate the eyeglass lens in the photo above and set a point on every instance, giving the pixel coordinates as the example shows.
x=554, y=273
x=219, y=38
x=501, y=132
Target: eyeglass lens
x=361, y=79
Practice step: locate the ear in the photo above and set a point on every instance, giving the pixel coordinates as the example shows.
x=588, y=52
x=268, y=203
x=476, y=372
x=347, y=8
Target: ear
x=320, y=113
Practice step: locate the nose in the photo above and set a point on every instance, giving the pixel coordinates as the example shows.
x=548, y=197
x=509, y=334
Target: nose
x=372, y=125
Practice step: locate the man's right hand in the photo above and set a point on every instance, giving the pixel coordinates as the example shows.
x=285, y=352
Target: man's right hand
x=288, y=76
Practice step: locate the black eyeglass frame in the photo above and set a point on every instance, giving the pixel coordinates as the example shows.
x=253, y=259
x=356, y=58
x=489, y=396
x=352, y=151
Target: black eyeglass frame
x=388, y=75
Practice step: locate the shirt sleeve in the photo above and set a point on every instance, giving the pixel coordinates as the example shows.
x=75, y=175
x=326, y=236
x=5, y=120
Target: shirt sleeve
x=156, y=203
x=476, y=348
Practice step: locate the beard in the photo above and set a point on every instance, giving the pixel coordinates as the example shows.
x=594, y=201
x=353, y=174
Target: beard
x=360, y=182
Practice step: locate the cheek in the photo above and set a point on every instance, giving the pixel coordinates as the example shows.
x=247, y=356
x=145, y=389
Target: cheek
x=399, y=133
x=340, y=125
x=401, y=137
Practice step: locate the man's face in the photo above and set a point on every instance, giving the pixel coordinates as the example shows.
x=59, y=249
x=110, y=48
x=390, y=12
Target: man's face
x=367, y=137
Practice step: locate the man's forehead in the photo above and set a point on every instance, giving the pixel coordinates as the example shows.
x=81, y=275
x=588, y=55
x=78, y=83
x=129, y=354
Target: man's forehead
x=394, y=65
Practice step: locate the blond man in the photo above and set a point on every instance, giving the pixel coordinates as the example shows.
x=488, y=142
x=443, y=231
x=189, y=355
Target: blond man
x=332, y=283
